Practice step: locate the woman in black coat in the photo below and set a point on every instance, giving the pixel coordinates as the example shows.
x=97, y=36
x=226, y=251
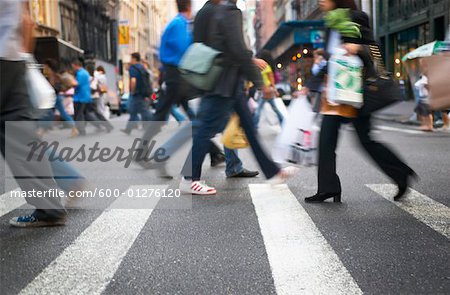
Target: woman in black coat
x=329, y=185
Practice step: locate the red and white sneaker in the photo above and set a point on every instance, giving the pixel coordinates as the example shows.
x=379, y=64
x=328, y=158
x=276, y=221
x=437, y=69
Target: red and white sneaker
x=196, y=188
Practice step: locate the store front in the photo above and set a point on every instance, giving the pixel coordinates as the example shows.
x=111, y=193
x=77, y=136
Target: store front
x=292, y=47
x=403, y=26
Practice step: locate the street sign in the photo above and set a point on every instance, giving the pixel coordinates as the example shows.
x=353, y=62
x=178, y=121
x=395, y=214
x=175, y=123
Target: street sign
x=124, y=33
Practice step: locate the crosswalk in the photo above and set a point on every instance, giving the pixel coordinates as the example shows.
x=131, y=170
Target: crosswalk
x=301, y=259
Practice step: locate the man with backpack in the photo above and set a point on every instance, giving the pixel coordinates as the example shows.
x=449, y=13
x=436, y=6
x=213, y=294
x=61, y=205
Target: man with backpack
x=140, y=91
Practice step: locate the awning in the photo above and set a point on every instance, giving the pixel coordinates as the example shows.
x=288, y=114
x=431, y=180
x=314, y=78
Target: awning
x=295, y=33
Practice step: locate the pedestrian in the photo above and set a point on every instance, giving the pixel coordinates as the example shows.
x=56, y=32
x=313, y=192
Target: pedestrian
x=100, y=74
x=220, y=27
x=52, y=72
x=140, y=90
x=423, y=107
x=176, y=39
x=314, y=85
x=82, y=99
x=269, y=91
x=96, y=93
x=32, y=175
x=329, y=185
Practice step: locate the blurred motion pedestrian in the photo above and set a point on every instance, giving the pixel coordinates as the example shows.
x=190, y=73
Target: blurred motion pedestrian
x=334, y=115
x=16, y=36
x=423, y=107
x=220, y=27
x=269, y=91
x=52, y=72
x=100, y=74
x=176, y=39
x=83, y=103
x=140, y=92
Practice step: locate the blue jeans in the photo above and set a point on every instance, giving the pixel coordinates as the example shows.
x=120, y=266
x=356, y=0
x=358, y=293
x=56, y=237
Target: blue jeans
x=259, y=109
x=137, y=105
x=59, y=105
x=214, y=112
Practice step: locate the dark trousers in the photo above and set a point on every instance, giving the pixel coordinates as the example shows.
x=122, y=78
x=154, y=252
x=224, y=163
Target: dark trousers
x=214, y=113
x=387, y=161
x=88, y=112
x=33, y=174
x=177, y=92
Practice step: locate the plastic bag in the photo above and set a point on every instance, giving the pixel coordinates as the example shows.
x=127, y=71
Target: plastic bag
x=297, y=142
x=41, y=93
x=233, y=136
x=345, y=83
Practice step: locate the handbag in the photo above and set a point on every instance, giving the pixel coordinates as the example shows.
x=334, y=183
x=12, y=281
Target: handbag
x=379, y=91
x=41, y=93
x=233, y=136
x=201, y=66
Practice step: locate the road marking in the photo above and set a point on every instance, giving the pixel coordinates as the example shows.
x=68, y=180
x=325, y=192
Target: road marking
x=89, y=263
x=408, y=131
x=301, y=259
x=8, y=203
x=426, y=210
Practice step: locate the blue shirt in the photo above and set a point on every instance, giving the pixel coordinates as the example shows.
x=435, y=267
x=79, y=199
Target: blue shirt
x=83, y=89
x=176, y=39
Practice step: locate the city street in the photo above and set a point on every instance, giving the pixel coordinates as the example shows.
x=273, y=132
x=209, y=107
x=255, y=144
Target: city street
x=250, y=238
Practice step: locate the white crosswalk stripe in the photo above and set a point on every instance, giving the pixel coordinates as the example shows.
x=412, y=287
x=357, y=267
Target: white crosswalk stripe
x=424, y=209
x=89, y=263
x=9, y=203
x=301, y=260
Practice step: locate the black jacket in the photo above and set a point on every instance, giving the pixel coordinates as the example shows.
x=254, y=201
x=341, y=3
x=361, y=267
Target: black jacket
x=366, y=38
x=220, y=27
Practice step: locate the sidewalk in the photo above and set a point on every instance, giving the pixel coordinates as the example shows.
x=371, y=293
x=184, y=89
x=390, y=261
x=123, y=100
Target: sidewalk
x=399, y=113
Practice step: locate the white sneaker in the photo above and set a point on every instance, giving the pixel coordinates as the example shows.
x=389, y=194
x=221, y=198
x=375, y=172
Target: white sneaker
x=283, y=175
x=196, y=188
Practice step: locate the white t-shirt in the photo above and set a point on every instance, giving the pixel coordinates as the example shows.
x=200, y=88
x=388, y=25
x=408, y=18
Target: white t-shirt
x=10, y=30
x=423, y=91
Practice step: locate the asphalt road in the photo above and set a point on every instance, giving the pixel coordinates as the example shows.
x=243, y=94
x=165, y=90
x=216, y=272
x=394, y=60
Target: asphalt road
x=250, y=238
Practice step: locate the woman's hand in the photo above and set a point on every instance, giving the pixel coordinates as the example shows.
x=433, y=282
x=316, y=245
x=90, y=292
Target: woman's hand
x=261, y=64
x=352, y=48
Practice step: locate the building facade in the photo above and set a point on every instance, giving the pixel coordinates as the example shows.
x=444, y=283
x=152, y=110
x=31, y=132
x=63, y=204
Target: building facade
x=406, y=25
x=46, y=17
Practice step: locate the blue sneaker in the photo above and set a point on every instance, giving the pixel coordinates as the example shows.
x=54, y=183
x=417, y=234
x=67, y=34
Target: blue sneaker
x=32, y=221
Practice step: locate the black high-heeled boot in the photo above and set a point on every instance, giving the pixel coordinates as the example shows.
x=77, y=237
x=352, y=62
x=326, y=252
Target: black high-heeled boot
x=403, y=184
x=321, y=197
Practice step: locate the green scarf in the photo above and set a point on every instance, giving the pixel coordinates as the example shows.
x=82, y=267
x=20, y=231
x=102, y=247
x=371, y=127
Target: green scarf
x=339, y=20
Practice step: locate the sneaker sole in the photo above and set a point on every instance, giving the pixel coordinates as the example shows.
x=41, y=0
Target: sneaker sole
x=37, y=224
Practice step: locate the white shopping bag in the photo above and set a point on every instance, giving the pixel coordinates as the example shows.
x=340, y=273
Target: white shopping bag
x=297, y=142
x=345, y=83
x=41, y=93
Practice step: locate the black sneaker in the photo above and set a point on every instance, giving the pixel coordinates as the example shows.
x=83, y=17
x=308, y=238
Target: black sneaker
x=32, y=221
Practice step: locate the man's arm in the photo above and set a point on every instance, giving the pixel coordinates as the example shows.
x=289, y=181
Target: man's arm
x=132, y=84
x=27, y=29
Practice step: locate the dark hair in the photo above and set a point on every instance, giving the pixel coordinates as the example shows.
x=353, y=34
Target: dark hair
x=267, y=57
x=320, y=52
x=101, y=69
x=183, y=5
x=346, y=4
x=52, y=64
x=136, y=56
x=90, y=68
x=77, y=61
